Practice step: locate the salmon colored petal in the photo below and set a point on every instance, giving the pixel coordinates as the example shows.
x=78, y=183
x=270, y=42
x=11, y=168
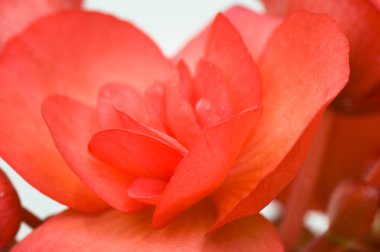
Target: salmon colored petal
x=254, y=28
x=71, y=125
x=154, y=102
x=125, y=99
x=276, y=7
x=16, y=15
x=65, y=54
x=115, y=231
x=212, y=88
x=132, y=125
x=225, y=48
x=360, y=21
x=205, y=167
x=181, y=116
x=10, y=211
x=304, y=66
x=147, y=190
x=138, y=154
x=344, y=157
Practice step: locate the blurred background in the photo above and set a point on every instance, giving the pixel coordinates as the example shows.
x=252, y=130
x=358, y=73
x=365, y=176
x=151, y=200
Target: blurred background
x=170, y=23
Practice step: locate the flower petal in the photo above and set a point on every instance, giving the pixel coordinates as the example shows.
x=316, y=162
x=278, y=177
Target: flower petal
x=304, y=66
x=123, y=98
x=225, y=49
x=147, y=190
x=10, y=211
x=353, y=146
x=276, y=7
x=206, y=165
x=114, y=231
x=65, y=54
x=138, y=154
x=71, y=125
x=254, y=28
x=360, y=21
x=352, y=209
x=16, y=15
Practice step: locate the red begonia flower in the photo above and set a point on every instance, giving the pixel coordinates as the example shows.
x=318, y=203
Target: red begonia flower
x=10, y=211
x=16, y=15
x=93, y=125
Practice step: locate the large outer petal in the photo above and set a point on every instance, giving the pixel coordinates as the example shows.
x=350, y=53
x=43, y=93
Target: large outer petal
x=72, y=125
x=16, y=15
x=254, y=28
x=360, y=21
x=113, y=231
x=10, y=211
x=304, y=66
x=66, y=54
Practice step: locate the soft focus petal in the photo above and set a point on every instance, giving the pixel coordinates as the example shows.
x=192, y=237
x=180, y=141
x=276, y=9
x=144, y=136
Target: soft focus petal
x=10, y=211
x=206, y=165
x=276, y=7
x=113, y=231
x=360, y=21
x=65, y=54
x=71, y=125
x=138, y=154
x=16, y=15
x=353, y=146
x=225, y=49
x=352, y=209
x=304, y=66
x=254, y=28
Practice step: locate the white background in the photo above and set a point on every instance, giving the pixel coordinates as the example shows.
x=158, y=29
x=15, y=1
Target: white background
x=170, y=23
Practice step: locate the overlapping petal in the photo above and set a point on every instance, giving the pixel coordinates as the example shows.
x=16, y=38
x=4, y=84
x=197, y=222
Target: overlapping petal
x=16, y=15
x=304, y=66
x=360, y=21
x=66, y=54
x=114, y=231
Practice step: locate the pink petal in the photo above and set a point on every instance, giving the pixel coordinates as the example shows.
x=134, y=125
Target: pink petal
x=304, y=66
x=147, y=190
x=181, y=116
x=114, y=231
x=225, y=48
x=205, y=167
x=71, y=125
x=125, y=99
x=16, y=15
x=212, y=89
x=254, y=28
x=138, y=154
x=360, y=22
x=65, y=54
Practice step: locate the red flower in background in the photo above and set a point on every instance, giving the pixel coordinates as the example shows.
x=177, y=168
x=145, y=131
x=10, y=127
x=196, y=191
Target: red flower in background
x=122, y=127
x=10, y=211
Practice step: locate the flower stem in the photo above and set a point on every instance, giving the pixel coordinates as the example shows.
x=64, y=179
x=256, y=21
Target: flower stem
x=30, y=219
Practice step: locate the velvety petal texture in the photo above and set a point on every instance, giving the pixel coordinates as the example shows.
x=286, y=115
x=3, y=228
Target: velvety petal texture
x=10, y=211
x=65, y=54
x=114, y=231
x=16, y=15
x=295, y=95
